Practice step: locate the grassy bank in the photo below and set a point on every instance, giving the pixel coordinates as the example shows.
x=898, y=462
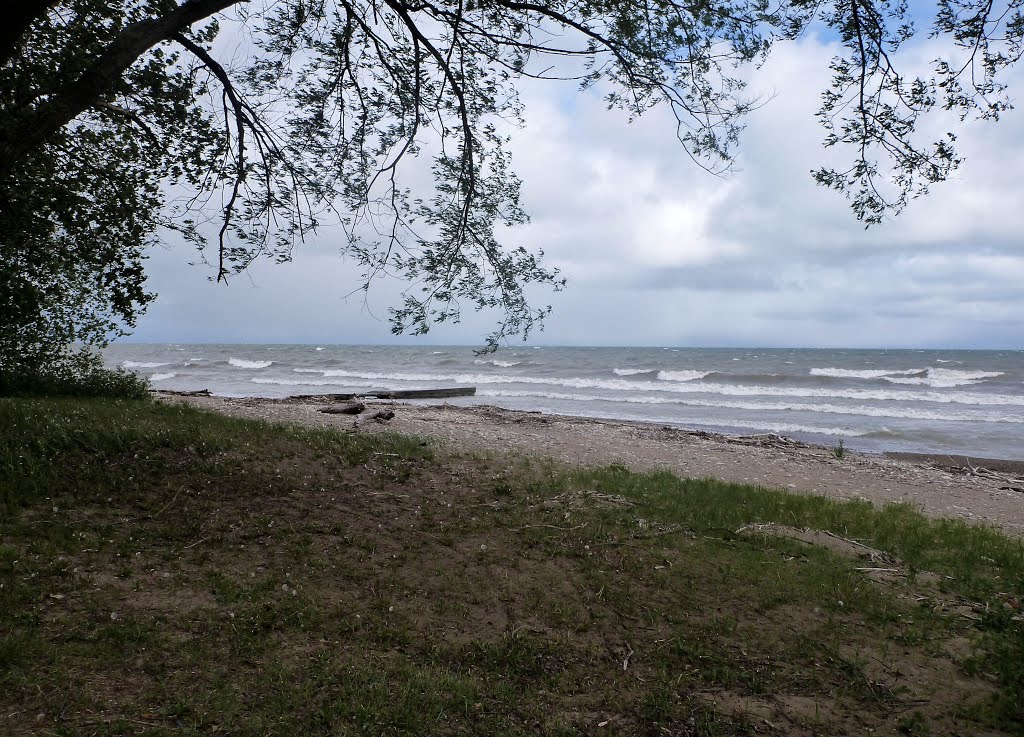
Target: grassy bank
x=169, y=572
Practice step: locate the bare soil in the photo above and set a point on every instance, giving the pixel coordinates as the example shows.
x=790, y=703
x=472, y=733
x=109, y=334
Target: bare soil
x=277, y=588
x=943, y=490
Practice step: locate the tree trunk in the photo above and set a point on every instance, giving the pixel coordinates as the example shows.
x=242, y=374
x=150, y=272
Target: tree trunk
x=31, y=128
x=18, y=16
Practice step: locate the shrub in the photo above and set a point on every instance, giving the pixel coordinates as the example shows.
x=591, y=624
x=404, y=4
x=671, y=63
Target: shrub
x=76, y=374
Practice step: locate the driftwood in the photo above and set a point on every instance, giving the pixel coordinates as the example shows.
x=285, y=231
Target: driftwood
x=1008, y=472
x=458, y=391
x=352, y=408
x=381, y=416
x=196, y=393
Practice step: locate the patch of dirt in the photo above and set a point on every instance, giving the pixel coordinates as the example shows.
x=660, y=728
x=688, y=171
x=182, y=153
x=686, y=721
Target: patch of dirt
x=763, y=460
x=281, y=558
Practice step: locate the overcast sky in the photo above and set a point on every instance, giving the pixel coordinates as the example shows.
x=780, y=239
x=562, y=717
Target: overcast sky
x=659, y=252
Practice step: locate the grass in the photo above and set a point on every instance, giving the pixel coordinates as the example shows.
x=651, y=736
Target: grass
x=169, y=572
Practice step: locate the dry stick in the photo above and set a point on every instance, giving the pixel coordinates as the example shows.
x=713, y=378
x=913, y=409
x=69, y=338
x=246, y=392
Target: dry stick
x=873, y=551
x=651, y=536
x=552, y=527
x=164, y=507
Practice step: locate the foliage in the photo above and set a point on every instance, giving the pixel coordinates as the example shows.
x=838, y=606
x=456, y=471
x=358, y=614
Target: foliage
x=71, y=373
x=122, y=119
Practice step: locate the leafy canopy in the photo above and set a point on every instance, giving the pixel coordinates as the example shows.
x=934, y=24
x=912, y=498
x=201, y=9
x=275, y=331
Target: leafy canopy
x=124, y=120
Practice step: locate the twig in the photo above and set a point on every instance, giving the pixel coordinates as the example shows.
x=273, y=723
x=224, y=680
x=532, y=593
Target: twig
x=164, y=507
x=873, y=552
x=552, y=527
x=625, y=661
x=651, y=536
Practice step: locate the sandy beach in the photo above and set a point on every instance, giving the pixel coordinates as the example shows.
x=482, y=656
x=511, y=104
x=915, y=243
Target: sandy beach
x=989, y=493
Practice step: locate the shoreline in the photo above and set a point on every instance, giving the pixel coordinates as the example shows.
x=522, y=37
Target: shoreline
x=981, y=495
x=956, y=463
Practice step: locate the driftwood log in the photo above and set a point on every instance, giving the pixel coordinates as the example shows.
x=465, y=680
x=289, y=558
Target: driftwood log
x=196, y=393
x=458, y=391
x=352, y=408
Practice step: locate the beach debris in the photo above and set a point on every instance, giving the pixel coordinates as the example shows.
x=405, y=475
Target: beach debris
x=383, y=415
x=350, y=408
x=824, y=538
x=456, y=391
x=577, y=499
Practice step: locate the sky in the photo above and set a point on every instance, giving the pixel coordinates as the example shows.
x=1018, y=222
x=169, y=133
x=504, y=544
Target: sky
x=658, y=252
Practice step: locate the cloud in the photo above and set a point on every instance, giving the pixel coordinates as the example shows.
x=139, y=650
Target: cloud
x=660, y=252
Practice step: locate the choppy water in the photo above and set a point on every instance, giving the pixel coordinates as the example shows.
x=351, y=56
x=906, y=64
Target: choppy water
x=968, y=402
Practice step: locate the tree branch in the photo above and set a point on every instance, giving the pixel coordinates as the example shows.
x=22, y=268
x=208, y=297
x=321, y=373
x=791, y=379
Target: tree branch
x=18, y=16
x=34, y=126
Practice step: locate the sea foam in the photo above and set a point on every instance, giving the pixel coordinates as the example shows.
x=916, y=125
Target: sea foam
x=144, y=364
x=682, y=375
x=942, y=378
x=911, y=413
x=685, y=387
x=839, y=373
x=935, y=377
x=161, y=377
x=496, y=362
x=242, y=363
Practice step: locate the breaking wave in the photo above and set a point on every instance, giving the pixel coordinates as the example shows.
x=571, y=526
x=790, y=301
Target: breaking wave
x=632, y=372
x=688, y=387
x=682, y=375
x=938, y=378
x=913, y=413
x=496, y=362
x=242, y=363
x=161, y=377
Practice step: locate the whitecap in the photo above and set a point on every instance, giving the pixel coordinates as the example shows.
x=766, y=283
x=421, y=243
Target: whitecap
x=318, y=348
x=938, y=378
x=161, y=377
x=913, y=413
x=942, y=378
x=839, y=373
x=630, y=371
x=682, y=375
x=685, y=387
x=496, y=362
x=242, y=363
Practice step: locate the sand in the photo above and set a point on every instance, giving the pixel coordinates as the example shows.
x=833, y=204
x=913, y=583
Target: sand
x=941, y=486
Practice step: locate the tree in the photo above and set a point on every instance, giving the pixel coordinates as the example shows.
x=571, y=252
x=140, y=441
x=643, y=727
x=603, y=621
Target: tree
x=124, y=119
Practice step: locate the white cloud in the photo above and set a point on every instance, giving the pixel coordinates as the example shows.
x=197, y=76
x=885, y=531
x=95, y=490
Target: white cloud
x=659, y=252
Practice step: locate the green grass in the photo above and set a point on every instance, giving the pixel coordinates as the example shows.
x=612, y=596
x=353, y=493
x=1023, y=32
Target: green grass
x=166, y=571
